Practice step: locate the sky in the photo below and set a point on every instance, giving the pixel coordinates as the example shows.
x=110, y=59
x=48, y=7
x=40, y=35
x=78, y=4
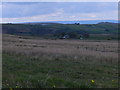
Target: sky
x=58, y=11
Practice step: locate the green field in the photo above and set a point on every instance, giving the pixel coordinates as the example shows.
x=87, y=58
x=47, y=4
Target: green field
x=44, y=63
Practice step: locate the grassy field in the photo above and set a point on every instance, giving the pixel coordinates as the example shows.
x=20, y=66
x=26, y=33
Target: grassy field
x=43, y=63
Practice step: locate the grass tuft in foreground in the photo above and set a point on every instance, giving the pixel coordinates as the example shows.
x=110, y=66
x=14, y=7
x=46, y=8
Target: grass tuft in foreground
x=24, y=72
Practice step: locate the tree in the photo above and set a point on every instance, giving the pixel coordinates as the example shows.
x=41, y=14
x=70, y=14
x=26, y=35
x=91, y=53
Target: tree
x=73, y=35
x=86, y=35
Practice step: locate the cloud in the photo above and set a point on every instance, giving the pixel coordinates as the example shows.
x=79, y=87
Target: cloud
x=60, y=1
x=44, y=17
x=45, y=11
x=31, y=9
x=61, y=16
x=10, y=10
x=59, y=12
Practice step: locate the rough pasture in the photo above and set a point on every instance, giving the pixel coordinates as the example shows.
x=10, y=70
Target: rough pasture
x=37, y=62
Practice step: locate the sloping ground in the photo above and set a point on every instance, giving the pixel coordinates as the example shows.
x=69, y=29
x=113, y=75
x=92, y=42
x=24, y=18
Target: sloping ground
x=56, y=29
x=46, y=63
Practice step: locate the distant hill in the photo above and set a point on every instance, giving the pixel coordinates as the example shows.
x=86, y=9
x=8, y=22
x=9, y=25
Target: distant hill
x=86, y=21
x=72, y=22
x=58, y=30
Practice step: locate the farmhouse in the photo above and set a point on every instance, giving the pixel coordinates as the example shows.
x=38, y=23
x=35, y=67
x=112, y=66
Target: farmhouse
x=65, y=37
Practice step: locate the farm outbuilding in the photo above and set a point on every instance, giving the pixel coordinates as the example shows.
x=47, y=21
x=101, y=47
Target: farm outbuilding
x=65, y=37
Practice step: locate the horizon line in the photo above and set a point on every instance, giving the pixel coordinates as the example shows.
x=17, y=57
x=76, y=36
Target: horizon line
x=60, y=21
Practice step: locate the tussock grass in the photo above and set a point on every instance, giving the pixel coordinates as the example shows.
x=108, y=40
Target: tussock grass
x=59, y=63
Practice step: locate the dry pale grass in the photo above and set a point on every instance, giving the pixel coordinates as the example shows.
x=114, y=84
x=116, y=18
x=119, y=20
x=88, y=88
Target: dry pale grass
x=72, y=49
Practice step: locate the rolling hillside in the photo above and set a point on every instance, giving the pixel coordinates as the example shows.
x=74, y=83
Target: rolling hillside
x=56, y=30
